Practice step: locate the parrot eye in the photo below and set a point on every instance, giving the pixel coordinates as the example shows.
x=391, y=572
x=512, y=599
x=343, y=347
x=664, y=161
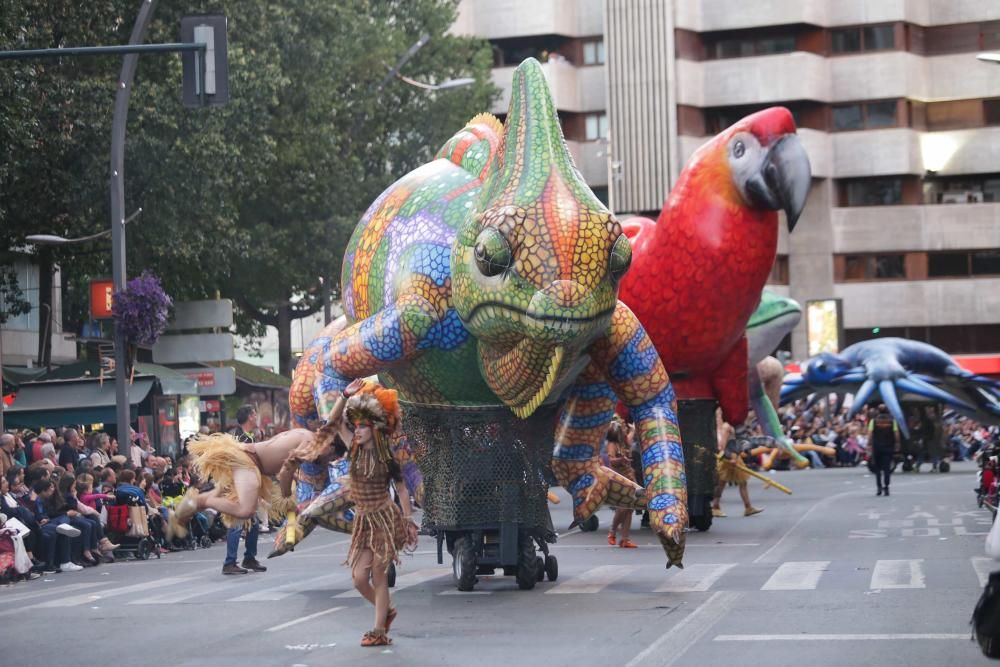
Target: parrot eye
x=621, y=258
x=492, y=252
x=739, y=149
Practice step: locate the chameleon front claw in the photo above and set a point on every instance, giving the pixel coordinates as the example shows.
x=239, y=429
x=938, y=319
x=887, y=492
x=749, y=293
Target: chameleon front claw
x=592, y=485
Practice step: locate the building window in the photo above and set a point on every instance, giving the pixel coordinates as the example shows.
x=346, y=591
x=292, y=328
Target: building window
x=593, y=52
x=985, y=263
x=743, y=48
x=863, y=38
x=779, y=271
x=888, y=266
x=865, y=116
x=873, y=192
x=596, y=126
x=959, y=339
x=947, y=264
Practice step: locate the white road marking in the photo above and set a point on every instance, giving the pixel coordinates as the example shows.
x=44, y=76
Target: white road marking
x=86, y=598
x=898, y=574
x=287, y=590
x=983, y=567
x=49, y=591
x=458, y=592
x=796, y=576
x=594, y=580
x=674, y=643
x=184, y=594
x=406, y=580
x=844, y=638
x=304, y=619
x=695, y=578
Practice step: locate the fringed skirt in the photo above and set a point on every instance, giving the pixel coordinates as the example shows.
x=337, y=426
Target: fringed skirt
x=730, y=474
x=215, y=457
x=383, y=530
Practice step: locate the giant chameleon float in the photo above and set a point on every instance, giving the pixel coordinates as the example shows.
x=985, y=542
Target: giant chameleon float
x=489, y=277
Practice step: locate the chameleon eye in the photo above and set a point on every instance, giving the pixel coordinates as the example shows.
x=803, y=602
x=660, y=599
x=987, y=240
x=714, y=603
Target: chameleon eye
x=621, y=258
x=492, y=252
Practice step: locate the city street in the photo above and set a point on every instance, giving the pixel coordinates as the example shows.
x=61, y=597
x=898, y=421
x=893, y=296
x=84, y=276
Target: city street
x=827, y=574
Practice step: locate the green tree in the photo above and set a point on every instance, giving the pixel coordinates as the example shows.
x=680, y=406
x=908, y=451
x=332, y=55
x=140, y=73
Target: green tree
x=255, y=199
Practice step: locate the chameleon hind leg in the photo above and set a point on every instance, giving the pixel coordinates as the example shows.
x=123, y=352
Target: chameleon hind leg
x=576, y=463
x=634, y=371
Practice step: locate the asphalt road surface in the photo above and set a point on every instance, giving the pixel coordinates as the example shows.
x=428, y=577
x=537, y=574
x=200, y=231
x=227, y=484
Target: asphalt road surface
x=831, y=575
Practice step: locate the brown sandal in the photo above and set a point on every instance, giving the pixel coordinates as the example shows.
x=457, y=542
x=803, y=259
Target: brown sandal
x=389, y=618
x=375, y=638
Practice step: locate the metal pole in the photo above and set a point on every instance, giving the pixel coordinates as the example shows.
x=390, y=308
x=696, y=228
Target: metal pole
x=124, y=91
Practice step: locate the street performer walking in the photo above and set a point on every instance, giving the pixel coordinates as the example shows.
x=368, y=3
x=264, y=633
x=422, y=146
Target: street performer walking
x=368, y=415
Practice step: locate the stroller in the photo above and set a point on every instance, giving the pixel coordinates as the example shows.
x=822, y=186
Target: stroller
x=131, y=527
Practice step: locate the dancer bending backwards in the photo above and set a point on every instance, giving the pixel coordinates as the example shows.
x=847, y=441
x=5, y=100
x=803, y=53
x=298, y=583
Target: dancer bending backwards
x=368, y=415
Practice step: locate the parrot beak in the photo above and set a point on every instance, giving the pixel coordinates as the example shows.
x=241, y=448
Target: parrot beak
x=783, y=179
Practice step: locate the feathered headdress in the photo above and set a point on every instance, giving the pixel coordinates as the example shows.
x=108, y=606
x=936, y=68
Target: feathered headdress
x=376, y=404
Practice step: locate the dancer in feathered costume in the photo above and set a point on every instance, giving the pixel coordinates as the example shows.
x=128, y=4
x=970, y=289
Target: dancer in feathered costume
x=368, y=415
x=241, y=472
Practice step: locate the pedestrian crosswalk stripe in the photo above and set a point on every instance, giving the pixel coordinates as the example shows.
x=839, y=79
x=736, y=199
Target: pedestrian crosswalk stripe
x=898, y=574
x=594, y=580
x=287, y=590
x=983, y=566
x=36, y=593
x=75, y=600
x=183, y=594
x=796, y=576
x=406, y=580
x=695, y=578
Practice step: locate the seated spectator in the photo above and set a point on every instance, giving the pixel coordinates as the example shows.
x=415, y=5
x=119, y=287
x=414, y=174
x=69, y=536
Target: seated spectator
x=55, y=534
x=108, y=480
x=101, y=544
x=58, y=506
x=126, y=492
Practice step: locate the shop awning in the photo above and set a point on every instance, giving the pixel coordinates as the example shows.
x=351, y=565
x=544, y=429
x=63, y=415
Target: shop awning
x=61, y=402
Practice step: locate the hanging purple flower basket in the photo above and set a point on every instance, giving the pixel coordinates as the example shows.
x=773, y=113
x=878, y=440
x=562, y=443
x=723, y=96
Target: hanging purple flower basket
x=142, y=309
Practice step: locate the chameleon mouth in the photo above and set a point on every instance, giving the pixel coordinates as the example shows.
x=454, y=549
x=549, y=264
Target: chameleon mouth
x=523, y=376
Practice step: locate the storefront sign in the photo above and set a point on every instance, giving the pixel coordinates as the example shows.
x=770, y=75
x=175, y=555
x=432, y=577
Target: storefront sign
x=101, y=292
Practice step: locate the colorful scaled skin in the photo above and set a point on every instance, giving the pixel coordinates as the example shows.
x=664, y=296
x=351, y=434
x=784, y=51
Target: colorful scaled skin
x=698, y=271
x=490, y=277
x=895, y=369
x=773, y=319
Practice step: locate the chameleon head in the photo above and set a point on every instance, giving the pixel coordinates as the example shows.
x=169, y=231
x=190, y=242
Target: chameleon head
x=536, y=269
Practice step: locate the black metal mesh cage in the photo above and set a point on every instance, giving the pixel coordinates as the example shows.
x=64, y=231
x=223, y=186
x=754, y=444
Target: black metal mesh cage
x=482, y=465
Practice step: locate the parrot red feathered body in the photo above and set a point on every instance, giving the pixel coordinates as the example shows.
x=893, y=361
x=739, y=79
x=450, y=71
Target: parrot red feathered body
x=698, y=271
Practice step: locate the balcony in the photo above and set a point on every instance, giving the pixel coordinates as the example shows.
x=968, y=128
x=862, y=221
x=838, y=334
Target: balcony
x=933, y=227
x=706, y=15
x=876, y=153
x=576, y=89
x=961, y=76
x=592, y=161
x=920, y=302
x=499, y=19
x=757, y=80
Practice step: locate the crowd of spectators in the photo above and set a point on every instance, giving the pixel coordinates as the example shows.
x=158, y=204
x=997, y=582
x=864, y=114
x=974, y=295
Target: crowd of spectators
x=934, y=435
x=55, y=491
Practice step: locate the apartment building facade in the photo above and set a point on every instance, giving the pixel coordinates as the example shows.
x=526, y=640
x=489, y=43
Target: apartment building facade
x=900, y=120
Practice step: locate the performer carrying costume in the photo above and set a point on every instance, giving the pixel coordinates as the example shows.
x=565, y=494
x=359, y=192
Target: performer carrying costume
x=381, y=528
x=620, y=459
x=733, y=444
x=241, y=472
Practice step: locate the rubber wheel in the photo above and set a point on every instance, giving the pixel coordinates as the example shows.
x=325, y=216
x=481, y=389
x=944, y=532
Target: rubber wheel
x=539, y=568
x=527, y=563
x=391, y=575
x=463, y=564
x=551, y=568
x=701, y=522
x=944, y=466
x=142, y=550
x=205, y=541
x=591, y=524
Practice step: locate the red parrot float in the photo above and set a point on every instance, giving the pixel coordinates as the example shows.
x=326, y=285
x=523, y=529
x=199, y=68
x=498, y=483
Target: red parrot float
x=697, y=272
